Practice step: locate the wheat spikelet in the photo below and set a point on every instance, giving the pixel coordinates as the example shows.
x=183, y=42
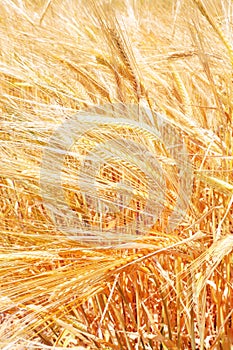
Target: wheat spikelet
x=183, y=92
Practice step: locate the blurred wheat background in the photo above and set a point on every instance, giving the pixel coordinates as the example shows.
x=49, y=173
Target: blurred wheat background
x=160, y=289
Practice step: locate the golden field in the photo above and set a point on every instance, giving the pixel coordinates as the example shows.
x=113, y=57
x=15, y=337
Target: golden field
x=116, y=174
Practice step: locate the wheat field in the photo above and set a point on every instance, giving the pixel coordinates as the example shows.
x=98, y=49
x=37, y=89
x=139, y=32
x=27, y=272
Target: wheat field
x=116, y=174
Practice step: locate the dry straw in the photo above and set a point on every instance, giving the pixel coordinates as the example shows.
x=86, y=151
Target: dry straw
x=162, y=289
